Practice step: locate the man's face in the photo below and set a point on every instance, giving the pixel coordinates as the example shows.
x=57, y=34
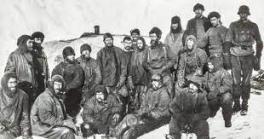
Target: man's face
x=57, y=86
x=29, y=45
x=153, y=38
x=71, y=58
x=100, y=96
x=38, y=40
x=193, y=88
x=127, y=44
x=140, y=44
x=86, y=53
x=134, y=36
x=174, y=26
x=198, y=12
x=210, y=66
x=108, y=42
x=11, y=84
x=190, y=44
x=215, y=21
x=243, y=16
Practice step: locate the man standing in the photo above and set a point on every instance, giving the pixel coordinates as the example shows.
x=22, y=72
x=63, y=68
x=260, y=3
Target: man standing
x=73, y=75
x=218, y=84
x=14, y=109
x=199, y=24
x=101, y=112
x=214, y=40
x=189, y=111
x=91, y=70
x=135, y=34
x=21, y=62
x=40, y=61
x=160, y=59
x=113, y=67
x=241, y=36
x=48, y=114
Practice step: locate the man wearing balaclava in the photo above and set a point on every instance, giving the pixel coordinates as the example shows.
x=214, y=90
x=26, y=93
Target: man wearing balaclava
x=73, y=75
x=91, y=70
x=218, y=84
x=21, y=62
x=241, y=36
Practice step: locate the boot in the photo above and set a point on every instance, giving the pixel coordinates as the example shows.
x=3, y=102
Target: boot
x=244, y=109
x=228, y=123
x=236, y=106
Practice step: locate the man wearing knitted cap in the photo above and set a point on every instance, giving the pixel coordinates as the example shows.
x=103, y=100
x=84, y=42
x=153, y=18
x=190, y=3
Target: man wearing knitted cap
x=214, y=40
x=241, y=36
x=91, y=70
x=40, y=61
x=21, y=62
x=101, y=112
x=174, y=38
x=113, y=67
x=48, y=115
x=160, y=59
x=198, y=25
x=73, y=75
x=218, y=84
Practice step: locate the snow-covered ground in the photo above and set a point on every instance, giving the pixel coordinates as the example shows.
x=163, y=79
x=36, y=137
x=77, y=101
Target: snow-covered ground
x=67, y=19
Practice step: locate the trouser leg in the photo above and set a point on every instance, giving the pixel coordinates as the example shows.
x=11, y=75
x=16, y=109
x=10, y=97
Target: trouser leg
x=236, y=74
x=226, y=104
x=201, y=129
x=214, y=106
x=174, y=129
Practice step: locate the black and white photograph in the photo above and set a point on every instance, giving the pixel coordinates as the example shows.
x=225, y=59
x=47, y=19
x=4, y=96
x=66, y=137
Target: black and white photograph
x=131, y=69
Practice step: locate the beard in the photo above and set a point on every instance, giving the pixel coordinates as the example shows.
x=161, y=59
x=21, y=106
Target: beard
x=154, y=42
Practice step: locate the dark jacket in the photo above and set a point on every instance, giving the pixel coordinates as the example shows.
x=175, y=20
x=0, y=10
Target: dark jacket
x=14, y=110
x=92, y=74
x=48, y=111
x=113, y=65
x=188, y=109
x=155, y=103
x=72, y=73
x=99, y=115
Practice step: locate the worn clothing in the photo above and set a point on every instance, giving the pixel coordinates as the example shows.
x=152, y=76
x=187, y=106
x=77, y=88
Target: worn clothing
x=189, y=109
x=74, y=77
x=14, y=114
x=174, y=41
x=92, y=74
x=99, y=116
x=112, y=65
x=197, y=27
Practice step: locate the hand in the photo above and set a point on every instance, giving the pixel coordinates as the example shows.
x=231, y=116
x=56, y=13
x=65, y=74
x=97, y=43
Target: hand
x=181, y=83
x=116, y=117
x=69, y=123
x=130, y=83
x=256, y=63
x=121, y=82
x=198, y=73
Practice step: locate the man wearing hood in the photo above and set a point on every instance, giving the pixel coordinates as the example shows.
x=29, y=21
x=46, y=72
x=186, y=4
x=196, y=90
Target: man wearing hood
x=40, y=61
x=21, y=62
x=218, y=84
x=198, y=25
x=152, y=114
x=14, y=109
x=189, y=111
x=137, y=75
x=241, y=36
x=214, y=40
x=48, y=113
x=73, y=75
x=113, y=67
x=160, y=59
x=101, y=112
x=191, y=63
x=91, y=70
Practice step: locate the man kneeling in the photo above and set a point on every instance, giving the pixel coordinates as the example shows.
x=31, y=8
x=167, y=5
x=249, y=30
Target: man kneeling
x=48, y=114
x=189, y=110
x=152, y=114
x=101, y=112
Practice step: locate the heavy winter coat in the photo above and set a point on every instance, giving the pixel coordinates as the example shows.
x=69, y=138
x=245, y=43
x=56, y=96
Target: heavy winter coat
x=174, y=41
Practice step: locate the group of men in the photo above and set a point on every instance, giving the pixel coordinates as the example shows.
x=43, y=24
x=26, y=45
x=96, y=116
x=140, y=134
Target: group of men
x=128, y=92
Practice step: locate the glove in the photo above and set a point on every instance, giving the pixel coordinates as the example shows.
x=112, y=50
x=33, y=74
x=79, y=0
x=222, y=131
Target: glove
x=256, y=63
x=130, y=83
x=226, y=61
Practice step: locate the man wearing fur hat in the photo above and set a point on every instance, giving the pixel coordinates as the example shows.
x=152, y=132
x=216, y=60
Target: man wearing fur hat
x=160, y=59
x=91, y=70
x=73, y=75
x=21, y=62
x=218, y=84
x=198, y=25
x=101, y=112
x=135, y=34
x=214, y=40
x=48, y=113
x=241, y=36
x=14, y=109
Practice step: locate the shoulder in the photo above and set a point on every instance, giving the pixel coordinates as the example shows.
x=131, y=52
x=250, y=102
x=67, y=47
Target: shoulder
x=23, y=94
x=200, y=51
